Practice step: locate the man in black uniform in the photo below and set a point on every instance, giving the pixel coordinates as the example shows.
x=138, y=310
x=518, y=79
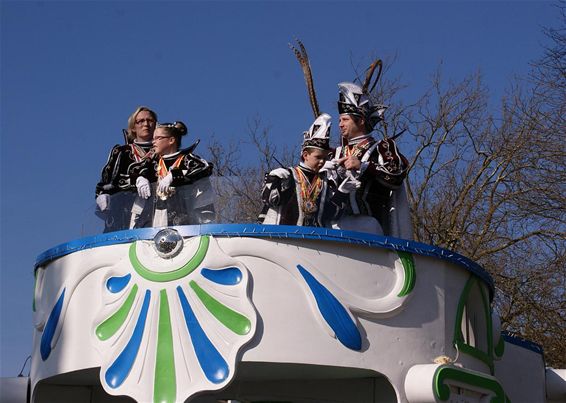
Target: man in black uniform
x=379, y=205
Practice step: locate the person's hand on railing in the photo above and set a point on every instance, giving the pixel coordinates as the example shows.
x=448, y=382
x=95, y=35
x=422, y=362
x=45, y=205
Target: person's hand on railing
x=144, y=190
x=103, y=201
x=164, y=184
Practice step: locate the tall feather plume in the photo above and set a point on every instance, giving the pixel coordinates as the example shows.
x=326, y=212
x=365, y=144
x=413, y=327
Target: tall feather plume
x=369, y=74
x=303, y=59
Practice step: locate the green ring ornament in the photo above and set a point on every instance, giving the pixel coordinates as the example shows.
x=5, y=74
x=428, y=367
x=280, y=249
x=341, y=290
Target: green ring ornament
x=172, y=275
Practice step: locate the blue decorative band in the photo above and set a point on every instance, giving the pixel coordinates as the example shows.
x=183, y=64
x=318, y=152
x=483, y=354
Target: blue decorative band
x=270, y=231
x=521, y=342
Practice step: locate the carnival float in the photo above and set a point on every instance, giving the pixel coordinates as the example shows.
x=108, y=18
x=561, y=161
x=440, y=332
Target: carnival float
x=266, y=313
x=269, y=313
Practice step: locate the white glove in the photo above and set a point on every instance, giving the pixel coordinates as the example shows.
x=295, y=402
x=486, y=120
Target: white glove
x=349, y=185
x=144, y=190
x=103, y=201
x=165, y=184
x=329, y=165
x=280, y=173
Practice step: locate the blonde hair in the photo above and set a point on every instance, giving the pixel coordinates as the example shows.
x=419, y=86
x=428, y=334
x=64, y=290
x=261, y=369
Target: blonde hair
x=132, y=121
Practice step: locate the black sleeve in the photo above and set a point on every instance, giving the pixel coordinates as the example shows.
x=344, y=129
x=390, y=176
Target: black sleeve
x=336, y=203
x=277, y=191
x=392, y=169
x=191, y=169
x=145, y=168
x=109, y=172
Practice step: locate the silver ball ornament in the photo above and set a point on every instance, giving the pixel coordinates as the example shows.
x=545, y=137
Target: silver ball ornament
x=168, y=243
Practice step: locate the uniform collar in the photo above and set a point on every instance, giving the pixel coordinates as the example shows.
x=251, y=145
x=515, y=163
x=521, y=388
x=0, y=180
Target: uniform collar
x=168, y=156
x=305, y=168
x=358, y=140
x=143, y=143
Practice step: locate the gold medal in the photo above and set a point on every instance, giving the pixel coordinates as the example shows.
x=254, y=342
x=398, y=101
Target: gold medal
x=309, y=207
x=309, y=191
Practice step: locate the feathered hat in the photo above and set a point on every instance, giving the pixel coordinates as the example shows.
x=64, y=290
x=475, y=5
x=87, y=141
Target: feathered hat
x=356, y=100
x=318, y=135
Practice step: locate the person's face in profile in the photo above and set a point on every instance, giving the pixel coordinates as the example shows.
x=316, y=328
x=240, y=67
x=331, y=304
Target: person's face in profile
x=314, y=158
x=144, y=126
x=163, y=142
x=349, y=129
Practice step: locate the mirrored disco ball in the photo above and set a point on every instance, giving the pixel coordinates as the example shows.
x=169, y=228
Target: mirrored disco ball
x=168, y=243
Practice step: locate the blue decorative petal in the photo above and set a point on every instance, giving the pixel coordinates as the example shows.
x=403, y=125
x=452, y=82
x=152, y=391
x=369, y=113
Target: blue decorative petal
x=213, y=365
x=119, y=370
x=117, y=284
x=228, y=276
x=49, y=331
x=334, y=313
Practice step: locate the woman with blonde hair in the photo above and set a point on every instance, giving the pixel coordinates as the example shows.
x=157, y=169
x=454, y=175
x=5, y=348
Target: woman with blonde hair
x=124, y=186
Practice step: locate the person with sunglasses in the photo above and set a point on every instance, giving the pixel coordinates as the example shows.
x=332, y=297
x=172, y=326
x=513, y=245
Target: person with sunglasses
x=184, y=193
x=125, y=179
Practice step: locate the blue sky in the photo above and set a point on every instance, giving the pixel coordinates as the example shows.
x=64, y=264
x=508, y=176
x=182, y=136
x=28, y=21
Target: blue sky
x=72, y=72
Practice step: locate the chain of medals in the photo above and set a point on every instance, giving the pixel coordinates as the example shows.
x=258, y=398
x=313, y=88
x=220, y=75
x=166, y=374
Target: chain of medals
x=162, y=171
x=139, y=153
x=355, y=150
x=309, y=191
